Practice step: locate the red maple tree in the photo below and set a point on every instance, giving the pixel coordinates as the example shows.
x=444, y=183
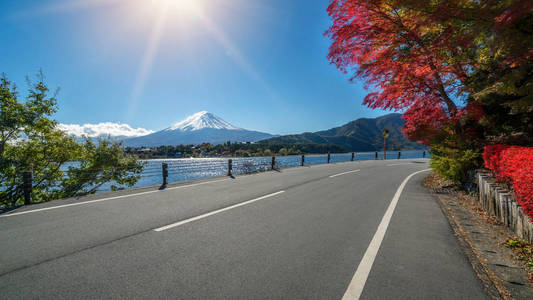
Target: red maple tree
x=419, y=55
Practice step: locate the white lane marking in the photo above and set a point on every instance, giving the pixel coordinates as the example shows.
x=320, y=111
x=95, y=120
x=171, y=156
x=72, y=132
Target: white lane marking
x=344, y=173
x=399, y=164
x=355, y=289
x=107, y=199
x=193, y=184
x=215, y=212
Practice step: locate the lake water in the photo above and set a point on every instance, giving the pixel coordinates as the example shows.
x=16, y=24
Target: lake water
x=181, y=169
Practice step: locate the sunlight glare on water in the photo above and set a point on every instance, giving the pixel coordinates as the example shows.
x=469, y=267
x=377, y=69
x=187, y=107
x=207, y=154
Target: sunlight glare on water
x=183, y=169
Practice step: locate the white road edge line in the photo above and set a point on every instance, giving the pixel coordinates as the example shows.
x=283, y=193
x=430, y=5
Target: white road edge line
x=344, y=173
x=399, y=164
x=355, y=289
x=107, y=199
x=215, y=212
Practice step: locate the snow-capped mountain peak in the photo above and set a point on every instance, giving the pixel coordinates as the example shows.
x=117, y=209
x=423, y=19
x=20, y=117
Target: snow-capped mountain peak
x=201, y=120
x=202, y=127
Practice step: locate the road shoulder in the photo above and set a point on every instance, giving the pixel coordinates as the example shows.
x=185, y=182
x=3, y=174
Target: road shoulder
x=420, y=257
x=483, y=239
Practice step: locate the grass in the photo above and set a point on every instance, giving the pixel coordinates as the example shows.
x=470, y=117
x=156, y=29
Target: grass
x=524, y=252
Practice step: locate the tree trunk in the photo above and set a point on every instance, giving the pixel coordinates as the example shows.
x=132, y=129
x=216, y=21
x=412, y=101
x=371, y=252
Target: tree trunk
x=384, y=148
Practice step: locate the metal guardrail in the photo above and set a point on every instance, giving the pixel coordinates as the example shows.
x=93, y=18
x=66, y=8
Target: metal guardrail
x=212, y=167
x=243, y=165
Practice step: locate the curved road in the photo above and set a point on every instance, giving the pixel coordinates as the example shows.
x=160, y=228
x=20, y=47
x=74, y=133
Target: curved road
x=364, y=229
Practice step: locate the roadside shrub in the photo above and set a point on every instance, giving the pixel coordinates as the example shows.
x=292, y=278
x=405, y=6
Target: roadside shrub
x=513, y=165
x=453, y=163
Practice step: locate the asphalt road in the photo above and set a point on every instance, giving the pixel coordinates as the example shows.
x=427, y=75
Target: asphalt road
x=320, y=232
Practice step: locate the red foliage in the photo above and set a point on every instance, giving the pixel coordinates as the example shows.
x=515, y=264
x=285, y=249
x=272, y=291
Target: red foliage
x=513, y=13
x=514, y=165
x=414, y=54
x=423, y=122
x=388, y=49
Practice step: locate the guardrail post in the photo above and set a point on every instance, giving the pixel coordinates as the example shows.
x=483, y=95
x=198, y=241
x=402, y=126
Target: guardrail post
x=399, y=154
x=329, y=157
x=165, y=173
x=273, y=164
x=303, y=160
x=376, y=155
x=230, y=166
x=353, y=155
x=28, y=186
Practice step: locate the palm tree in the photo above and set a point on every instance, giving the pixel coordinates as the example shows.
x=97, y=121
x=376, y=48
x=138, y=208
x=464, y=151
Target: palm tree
x=385, y=135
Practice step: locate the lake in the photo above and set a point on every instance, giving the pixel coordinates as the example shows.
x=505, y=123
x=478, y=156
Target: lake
x=182, y=169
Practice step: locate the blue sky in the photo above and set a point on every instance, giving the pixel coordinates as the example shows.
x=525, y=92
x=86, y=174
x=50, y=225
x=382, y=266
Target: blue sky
x=258, y=64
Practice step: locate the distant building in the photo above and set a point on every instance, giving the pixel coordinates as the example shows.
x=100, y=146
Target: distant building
x=144, y=150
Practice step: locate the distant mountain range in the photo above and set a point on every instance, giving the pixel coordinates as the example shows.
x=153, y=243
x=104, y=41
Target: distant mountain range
x=364, y=134
x=202, y=127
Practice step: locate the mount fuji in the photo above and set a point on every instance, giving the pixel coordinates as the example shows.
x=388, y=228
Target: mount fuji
x=202, y=127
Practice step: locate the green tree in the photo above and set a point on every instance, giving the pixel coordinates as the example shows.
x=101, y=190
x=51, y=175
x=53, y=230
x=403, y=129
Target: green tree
x=100, y=163
x=61, y=167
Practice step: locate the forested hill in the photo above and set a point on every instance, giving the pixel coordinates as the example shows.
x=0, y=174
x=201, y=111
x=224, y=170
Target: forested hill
x=364, y=134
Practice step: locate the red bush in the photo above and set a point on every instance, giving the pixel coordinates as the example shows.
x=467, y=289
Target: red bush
x=514, y=165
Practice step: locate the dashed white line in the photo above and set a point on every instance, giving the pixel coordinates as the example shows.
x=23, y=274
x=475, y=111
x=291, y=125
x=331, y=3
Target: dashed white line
x=355, y=289
x=215, y=212
x=353, y=171
x=107, y=199
x=194, y=184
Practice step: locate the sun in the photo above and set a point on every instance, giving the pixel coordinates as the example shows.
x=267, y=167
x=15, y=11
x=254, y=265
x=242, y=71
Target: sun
x=185, y=7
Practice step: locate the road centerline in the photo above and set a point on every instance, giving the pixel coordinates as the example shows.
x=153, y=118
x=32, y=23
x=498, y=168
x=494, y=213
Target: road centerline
x=399, y=164
x=215, y=212
x=357, y=284
x=344, y=173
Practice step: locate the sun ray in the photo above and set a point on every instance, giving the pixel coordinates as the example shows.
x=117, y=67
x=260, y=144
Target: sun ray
x=147, y=62
x=235, y=54
x=69, y=6
x=187, y=12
